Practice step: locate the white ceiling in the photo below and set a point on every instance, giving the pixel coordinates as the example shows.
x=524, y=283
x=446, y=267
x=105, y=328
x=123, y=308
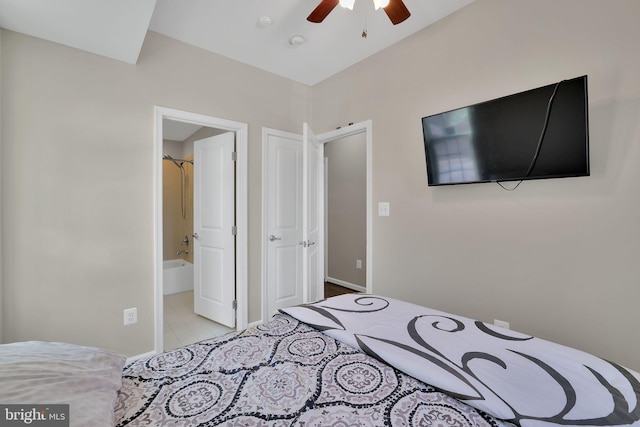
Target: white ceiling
x=174, y=130
x=111, y=28
x=116, y=29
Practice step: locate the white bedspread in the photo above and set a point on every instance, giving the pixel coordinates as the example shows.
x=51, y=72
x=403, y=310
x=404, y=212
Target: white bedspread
x=86, y=378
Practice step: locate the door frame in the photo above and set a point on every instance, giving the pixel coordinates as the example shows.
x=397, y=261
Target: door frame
x=356, y=128
x=241, y=133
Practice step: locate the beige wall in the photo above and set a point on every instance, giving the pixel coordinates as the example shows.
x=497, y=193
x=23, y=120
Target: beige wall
x=556, y=258
x=1, y=220
x=347, y=209
x=77, y=175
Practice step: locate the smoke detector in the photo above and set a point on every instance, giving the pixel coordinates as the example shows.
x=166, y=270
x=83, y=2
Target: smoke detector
x=296, y=40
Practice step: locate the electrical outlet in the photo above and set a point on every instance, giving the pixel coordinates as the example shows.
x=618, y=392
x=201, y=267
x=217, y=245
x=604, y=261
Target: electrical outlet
x=359, y=264
x=501, y=323
x=130, y=316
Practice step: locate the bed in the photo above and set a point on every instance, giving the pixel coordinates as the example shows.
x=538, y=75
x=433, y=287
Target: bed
x=279, y=374
x=365, y=360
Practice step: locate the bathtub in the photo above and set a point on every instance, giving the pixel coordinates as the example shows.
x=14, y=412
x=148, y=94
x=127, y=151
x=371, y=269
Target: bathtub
x=177, y=276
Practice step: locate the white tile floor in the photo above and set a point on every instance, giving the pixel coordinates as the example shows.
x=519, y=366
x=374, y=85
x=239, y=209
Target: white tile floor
x=182, y=326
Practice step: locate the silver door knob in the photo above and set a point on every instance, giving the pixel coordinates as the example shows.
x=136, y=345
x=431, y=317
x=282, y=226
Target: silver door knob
x=272, y=238
x=195, y=236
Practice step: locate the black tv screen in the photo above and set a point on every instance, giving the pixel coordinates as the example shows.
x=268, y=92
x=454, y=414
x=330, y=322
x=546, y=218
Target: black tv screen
x=539, y=133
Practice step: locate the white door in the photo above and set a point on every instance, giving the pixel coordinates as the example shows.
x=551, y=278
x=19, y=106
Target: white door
x=213, y=225
x=312, y=216
x=283, y=220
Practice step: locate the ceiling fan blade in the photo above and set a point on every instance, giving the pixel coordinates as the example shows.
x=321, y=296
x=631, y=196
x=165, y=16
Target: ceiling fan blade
x=323, y=9
x=397, y=11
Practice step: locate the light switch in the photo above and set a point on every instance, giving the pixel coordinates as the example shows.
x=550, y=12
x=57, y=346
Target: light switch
x=383, y=209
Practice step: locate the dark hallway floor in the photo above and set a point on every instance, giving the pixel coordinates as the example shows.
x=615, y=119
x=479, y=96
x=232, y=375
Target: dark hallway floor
x=331, y=290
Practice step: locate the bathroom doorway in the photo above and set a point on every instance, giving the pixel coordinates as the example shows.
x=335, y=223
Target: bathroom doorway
x=180, y=234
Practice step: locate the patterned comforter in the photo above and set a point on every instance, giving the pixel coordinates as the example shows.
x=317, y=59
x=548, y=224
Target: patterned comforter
x=282, y=373
x=514, y=377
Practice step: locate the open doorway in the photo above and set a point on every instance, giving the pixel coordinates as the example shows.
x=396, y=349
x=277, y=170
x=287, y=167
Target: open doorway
x=188, y=317
x=345, y=214
x=348, y=231
x=176, y=240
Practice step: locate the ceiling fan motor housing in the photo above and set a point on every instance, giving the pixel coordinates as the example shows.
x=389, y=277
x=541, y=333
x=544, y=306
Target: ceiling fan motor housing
x=395, y=9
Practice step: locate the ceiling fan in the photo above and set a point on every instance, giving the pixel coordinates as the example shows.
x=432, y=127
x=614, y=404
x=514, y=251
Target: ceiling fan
x=395, y=9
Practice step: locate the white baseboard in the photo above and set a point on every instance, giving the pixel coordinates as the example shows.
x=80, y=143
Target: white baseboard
x=140, y=356
x=348, y=285
x=253, y=324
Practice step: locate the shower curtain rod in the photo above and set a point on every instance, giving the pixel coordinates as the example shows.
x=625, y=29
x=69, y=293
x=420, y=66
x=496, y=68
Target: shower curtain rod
x=177, y=160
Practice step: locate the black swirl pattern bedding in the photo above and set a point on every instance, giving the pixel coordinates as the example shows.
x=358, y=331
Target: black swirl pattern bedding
x=514, y=377
x=281, y=373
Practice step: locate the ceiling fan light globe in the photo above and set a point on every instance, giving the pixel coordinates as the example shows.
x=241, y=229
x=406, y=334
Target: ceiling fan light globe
x=348, y=3
x=381, y=3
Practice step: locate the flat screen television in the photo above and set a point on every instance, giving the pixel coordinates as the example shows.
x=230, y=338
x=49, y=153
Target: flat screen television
x=539, y=133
